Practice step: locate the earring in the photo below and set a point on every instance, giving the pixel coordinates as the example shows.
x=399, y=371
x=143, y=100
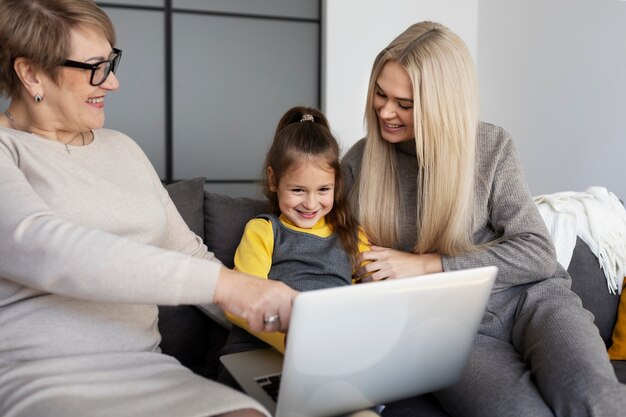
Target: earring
x=38, y=98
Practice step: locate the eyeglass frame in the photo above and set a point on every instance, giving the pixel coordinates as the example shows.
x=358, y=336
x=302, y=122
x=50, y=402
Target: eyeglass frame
x=113, y=64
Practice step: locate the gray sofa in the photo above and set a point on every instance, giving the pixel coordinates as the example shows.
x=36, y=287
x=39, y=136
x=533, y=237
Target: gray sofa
x=194, y=338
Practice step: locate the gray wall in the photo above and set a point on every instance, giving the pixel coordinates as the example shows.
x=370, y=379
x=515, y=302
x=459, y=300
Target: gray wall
x=138, y=107
x=553, y=73
x=355, y=31
x=231, y=88
x=236, y=67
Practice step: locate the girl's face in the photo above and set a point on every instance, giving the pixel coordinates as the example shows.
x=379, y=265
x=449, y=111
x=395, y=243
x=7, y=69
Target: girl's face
x=78, y=104
x=305, y=193
x=393, y=102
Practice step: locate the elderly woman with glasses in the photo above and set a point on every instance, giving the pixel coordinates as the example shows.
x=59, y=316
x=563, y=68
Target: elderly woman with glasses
x=91, y=241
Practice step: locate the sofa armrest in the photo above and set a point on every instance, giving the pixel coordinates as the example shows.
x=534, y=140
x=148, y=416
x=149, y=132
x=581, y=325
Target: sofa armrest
x=589, y=282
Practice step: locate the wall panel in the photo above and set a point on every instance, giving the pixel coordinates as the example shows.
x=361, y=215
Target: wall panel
x=231, y=89
x=204, y=82
x=138, y=107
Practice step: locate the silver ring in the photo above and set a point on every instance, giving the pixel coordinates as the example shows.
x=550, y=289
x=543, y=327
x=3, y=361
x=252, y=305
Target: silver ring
x=269, y=320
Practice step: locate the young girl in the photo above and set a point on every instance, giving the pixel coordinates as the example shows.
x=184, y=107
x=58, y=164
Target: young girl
x=310, y=239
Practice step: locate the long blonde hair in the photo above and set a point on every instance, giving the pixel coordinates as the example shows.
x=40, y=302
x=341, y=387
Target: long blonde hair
x=445, y=95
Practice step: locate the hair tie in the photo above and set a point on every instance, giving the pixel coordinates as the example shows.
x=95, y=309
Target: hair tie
x=307, y=118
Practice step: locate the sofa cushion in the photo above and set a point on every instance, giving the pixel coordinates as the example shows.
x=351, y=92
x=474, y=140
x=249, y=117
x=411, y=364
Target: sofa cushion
x=589, y=282
x=224, y=221
x=620, y=370
x=188, y=196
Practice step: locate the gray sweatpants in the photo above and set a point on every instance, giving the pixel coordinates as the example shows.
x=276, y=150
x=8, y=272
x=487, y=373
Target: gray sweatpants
x=537, y=353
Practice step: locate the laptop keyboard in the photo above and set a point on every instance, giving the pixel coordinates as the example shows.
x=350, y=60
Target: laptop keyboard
x=270, y=384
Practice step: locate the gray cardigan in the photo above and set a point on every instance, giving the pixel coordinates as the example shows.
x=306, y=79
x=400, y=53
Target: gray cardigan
x=503, y=208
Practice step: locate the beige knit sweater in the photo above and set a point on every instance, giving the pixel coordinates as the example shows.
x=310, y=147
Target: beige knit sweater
x=90, y=242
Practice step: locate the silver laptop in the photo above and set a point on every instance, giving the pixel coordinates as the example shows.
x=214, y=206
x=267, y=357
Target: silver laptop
x=355, y=347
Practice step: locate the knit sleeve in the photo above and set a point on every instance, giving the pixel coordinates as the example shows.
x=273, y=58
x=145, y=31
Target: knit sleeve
x=518, y=242
x=254, y=253
x=178, y=236
x=46, y=251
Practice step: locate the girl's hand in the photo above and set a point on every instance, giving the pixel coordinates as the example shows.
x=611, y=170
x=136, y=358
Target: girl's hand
x=383, y=263
x=264, y=304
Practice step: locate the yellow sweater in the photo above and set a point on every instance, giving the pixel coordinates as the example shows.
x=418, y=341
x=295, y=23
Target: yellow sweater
x=254, y=257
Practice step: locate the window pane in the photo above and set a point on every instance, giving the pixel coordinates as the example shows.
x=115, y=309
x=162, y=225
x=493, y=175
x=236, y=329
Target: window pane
x=233, y=80
x=307, y=9
x=158, y=3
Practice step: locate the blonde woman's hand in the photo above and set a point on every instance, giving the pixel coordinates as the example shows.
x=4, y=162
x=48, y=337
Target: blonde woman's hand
x=384, y=263
x=263, y=303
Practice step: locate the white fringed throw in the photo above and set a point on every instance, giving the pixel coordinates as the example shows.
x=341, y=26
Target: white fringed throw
x=599, y=218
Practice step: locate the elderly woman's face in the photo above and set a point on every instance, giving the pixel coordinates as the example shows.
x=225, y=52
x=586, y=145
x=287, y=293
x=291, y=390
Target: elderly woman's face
x=80, y=104
x=393, y=102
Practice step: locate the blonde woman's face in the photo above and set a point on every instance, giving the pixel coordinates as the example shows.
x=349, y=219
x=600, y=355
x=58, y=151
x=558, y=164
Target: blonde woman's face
x=393, y=102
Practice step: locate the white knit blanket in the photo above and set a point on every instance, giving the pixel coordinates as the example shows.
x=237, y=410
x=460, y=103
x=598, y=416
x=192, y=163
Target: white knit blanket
x=599, y=218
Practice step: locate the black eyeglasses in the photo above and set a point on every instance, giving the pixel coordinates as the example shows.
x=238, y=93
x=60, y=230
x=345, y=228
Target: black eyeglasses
x=100, y=70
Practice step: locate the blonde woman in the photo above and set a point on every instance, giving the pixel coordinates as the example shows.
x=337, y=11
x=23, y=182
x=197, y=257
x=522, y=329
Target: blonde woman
x=438, y=190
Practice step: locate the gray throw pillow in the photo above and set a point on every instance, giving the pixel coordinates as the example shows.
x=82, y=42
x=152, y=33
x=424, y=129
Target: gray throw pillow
x=589, y=282
x=224, y=221
x=188, y=196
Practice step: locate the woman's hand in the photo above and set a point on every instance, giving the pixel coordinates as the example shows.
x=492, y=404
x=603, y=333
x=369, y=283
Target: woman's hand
x=382, y=263
x=264, y=304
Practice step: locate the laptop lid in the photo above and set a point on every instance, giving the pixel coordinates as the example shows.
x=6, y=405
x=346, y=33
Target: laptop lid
x=355, y=347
